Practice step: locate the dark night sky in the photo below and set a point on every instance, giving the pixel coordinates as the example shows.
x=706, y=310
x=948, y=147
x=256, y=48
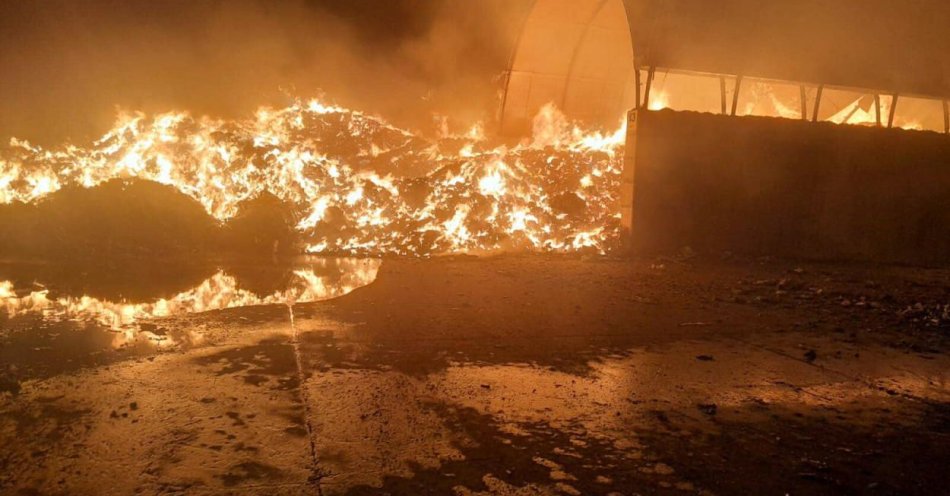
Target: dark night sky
x=66, y=65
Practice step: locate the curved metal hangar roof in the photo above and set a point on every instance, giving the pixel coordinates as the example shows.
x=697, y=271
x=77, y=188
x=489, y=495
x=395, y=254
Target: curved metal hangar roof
x=580, y=54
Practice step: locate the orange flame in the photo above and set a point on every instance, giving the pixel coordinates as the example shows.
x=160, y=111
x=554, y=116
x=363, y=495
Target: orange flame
x=397, y=192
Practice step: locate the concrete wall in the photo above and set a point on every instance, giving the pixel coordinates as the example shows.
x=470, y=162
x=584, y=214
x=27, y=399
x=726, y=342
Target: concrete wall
x=788, y=188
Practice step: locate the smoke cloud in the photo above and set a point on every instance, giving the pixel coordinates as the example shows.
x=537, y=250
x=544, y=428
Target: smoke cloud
x=67, y=65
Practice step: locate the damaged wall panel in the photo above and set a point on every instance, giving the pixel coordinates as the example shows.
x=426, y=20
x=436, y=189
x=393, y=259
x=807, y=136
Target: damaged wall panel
x=793, y=189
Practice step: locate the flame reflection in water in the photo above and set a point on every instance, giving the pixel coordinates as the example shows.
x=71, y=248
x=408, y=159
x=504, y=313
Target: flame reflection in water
x=322, y=280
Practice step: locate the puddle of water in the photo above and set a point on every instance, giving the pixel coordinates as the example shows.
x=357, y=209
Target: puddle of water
x=313, y=280
x=46, y=302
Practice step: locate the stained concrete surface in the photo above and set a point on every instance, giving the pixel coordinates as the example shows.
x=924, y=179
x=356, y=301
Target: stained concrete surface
x=511, y=375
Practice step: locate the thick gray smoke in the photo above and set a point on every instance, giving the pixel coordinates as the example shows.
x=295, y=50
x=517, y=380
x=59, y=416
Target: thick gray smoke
x=66, y=65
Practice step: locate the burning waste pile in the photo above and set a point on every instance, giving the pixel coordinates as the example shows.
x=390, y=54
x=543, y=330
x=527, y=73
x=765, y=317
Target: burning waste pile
x=346, y=182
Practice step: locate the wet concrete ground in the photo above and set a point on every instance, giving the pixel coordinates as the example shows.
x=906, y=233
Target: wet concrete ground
x=501, y=376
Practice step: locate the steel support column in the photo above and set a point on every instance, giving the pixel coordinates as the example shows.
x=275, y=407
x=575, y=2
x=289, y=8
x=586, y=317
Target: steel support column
x=646, y=100
x=814, y=115
x=637, y=80
x=804, y=98
x=627, y=179
x=890, y=118
x=877, y=109
x=735, y=96
x=722, y=93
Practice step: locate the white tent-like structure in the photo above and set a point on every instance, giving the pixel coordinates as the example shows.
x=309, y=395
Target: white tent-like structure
x=576, y=54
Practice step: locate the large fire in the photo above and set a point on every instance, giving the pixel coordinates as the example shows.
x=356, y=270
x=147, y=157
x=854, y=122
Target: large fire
x=360, y=185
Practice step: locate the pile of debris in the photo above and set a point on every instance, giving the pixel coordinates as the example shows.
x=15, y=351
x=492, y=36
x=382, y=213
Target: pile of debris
x=353, y=183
